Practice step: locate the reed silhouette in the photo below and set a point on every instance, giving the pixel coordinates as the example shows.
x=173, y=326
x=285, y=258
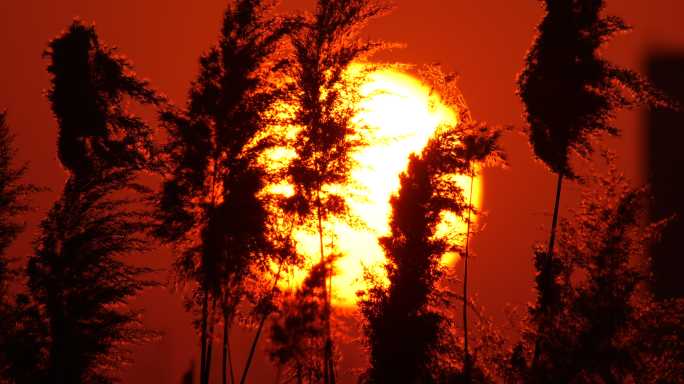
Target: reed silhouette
x=570, y=95
x=21, y=330
x=407, y=336
x=602, y=296
x=325, y=93
x=479, y=147
x=474, y=145
x=213, y=176
x=298, y=330
x=76, y=277
x=273, y=83
x=14, y=195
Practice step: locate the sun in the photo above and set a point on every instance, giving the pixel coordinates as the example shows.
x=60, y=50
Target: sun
x=401, y=114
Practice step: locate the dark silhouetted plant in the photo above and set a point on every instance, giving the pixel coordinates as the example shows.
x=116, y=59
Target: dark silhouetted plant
x=402, y=331
x=91, y=84
x=405, y=329
x=325, y=101
x=13, y=196
x=23, y=341
x=210, y=207
x=298, y=329
x=472, y=145
x=79, y=281
x=600, y=330
x=21, y=330
x=479, y=146
x=284, y=256
x=76, y=275
x=571, y=95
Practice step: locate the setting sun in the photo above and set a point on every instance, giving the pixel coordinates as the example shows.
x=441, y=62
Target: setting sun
x=262, y=191
x=401, y=114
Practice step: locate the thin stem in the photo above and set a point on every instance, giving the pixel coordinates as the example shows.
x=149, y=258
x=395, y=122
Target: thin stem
x=262, y=321
x=227, y=359
x=203, y=341
x=547, y=280
x=210, y=342
x=327, y=355
x=224, y=360
x=205, y=355
x=466, y=356
x=331, y=363
x=228, y=315
x=230, y=362
x=554, y=222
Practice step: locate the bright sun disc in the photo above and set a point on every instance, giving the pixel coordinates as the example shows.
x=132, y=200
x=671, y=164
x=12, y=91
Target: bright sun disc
x=401, y=114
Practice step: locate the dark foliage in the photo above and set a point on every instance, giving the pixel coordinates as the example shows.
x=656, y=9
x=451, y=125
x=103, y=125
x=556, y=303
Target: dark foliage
x=79, y=282
x=20, y=324
x=23, y=342
x=298, y=329
x=277, y=82
x=405, y=329
x=479, y=146
x=599, y=325
x=570, y=92
x=476, y=145
x=414, y=314
x=76, y=278
x=402, y=331
x=571, y=95
x=210, y=206
x=325, y=47
x=90, y=86
x=325, y=94
x=13, y=195
x=285, y=256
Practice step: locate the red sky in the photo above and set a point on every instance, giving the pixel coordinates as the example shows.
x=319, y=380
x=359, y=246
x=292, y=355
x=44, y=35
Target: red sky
x=485, y=41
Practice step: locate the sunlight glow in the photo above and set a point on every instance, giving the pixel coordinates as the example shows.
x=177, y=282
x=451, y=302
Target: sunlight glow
x=401, y=115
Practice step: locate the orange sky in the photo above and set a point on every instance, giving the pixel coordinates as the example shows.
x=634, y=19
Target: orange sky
x=483, y=40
